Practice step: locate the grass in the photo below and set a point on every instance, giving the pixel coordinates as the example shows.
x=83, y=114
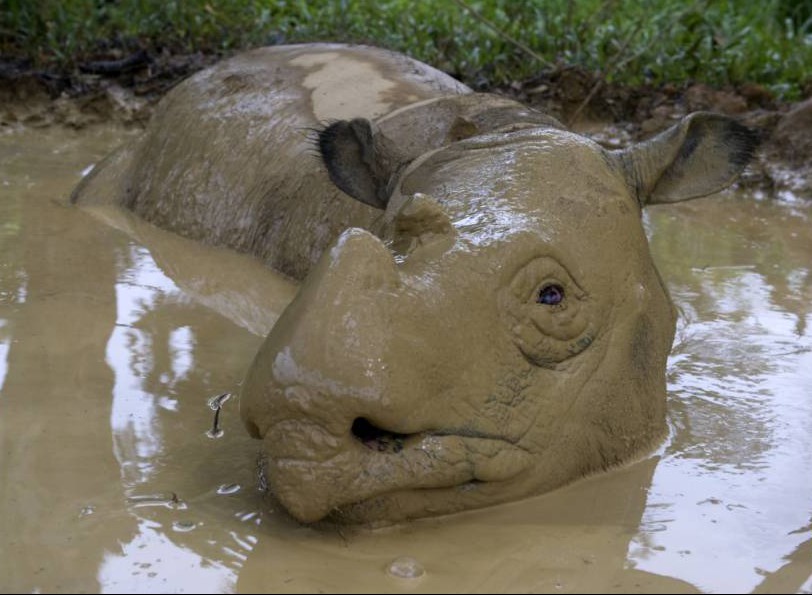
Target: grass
x=485, y=42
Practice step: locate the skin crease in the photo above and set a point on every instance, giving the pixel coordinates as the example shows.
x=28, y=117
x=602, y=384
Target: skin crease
x=416, y=372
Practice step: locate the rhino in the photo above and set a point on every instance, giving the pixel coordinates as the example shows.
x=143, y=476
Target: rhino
x=479, y=317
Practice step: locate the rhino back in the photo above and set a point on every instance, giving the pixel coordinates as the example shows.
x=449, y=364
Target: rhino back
x=228, y=156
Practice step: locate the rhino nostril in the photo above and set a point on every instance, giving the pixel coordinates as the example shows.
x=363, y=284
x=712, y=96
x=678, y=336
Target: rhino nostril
x=376, y=438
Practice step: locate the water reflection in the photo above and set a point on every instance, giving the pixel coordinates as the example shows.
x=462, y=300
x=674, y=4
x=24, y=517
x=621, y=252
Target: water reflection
x=151, y=561
x=733, y=488
x=132, y=353
x=5, y=339
x=112, y=344
x=12, y=277
x=162, y=350
x=58, y=478
x=101, y=349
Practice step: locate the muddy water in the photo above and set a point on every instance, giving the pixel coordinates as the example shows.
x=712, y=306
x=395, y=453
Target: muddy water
x=115, y=336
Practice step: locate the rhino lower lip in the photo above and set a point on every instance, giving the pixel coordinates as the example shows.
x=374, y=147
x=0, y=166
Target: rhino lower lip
x=381, y=440
x=383, y=462
x=428, y=462
x=473, y=458
x=477, y=457
x=431, y=461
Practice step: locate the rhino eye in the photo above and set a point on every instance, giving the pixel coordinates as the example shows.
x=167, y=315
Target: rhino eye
x=562, y=327
x=551, y=295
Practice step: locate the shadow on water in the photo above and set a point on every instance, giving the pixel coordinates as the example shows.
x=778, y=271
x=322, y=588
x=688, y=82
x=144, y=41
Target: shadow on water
x=114, y=335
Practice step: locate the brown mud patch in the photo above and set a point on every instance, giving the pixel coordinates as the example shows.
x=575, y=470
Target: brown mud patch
x=616, y=115
x=124, y=88
x=117, y=87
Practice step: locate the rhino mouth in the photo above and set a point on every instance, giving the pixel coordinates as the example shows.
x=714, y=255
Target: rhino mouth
x=325, y=473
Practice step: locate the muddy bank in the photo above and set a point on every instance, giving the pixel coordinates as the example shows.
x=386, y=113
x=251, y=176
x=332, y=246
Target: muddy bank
x=125, y=88
x=120, y=88
x=616, y=115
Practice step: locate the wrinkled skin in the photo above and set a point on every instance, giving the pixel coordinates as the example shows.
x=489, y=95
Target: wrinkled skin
x=479, y=319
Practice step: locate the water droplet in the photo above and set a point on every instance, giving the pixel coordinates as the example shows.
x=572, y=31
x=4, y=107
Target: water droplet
x=86, y=511
x=184, y=526
x=249, y=516
x=228, y=488
x=406, y=567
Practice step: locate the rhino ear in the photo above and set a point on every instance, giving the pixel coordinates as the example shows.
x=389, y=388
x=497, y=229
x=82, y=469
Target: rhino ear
x=701, y=155
x=359, y=160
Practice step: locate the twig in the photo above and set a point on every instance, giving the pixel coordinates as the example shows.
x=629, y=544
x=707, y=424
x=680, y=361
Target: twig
x=216, y=404
x=502, y=34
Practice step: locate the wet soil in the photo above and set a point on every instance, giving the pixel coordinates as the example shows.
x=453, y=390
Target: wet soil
x=124, y=88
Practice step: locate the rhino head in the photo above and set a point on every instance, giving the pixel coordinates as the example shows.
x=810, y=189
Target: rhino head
x=503, y=332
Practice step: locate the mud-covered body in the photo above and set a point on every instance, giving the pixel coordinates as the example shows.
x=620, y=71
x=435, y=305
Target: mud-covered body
x=480, y=318
x=228, y=157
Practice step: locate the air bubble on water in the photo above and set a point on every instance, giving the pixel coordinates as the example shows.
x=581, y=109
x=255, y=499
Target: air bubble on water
x=405, y=567
x=183, y=526
x=228, y=488
x=86, y=511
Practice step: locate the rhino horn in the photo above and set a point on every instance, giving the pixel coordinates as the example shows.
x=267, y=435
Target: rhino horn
x=698, y=156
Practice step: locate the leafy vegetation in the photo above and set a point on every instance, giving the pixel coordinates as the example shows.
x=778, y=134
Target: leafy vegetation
x=484, y=42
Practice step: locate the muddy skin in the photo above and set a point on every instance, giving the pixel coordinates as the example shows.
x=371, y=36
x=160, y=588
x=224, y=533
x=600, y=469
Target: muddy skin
x=112, y=344
x=480, y=319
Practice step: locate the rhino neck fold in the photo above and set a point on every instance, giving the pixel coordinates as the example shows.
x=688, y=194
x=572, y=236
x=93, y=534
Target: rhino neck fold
x=446, y=120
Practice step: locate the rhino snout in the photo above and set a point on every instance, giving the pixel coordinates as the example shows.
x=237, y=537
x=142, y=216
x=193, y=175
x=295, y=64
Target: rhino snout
x=343, y=426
